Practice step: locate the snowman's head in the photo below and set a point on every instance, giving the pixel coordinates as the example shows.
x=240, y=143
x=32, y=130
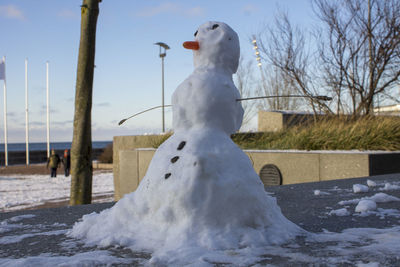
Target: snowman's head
x=215, y=45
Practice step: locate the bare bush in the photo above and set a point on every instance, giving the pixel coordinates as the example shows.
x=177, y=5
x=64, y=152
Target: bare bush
x=107, y=155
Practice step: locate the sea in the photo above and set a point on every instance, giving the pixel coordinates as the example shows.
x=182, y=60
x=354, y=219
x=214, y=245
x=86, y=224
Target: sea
x=53, y=145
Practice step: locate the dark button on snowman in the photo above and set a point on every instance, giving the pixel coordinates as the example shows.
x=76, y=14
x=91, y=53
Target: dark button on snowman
x=200, y=193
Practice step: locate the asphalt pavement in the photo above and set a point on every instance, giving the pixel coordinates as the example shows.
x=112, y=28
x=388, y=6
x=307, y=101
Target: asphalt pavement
x=31, y=233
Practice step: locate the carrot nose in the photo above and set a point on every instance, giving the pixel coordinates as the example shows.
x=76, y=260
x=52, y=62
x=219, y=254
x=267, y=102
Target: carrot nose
x=194, y=45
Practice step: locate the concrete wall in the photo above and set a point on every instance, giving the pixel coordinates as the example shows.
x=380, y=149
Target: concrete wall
x=295, y=166
x=269, y=121
x=122, y=143
x=133, y=166
x=291, y=165
x=99, y=165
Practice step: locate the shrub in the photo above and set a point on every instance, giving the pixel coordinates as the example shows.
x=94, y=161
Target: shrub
x=158, y=140
x=107, y=155
x=326, y=133
x=330, y=133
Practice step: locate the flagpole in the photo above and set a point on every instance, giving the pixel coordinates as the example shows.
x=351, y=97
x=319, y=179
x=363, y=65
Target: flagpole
x=5, y=115
x=26, y=113
x=48, y=111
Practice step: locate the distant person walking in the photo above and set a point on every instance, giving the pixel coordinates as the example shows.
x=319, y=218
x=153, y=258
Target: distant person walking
x=53, y=162
x=66, y=162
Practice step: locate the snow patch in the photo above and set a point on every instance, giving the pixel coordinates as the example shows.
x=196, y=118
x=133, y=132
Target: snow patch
x=359, y=188
x=24, y=191
x=92, y=258
x=318, y=192
x=390, y=187
x=371, y=183
x=340, y=212
x=383, y=198
x=365, y=205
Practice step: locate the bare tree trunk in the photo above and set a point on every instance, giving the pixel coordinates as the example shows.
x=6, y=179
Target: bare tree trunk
x=244, y=81
x=81, y=150
x=363, y=48
x=369, y=106
x=285, y=49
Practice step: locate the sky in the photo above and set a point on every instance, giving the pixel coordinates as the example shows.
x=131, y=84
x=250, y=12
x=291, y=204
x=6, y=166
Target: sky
x=127, y=76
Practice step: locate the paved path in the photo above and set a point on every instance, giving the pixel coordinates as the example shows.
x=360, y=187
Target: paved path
x=42, y=232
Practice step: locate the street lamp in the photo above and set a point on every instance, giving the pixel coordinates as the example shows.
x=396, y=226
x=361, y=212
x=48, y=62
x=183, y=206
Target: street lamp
x=163, y=53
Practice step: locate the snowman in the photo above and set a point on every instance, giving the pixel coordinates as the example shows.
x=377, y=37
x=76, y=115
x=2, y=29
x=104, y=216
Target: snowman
x=200, y=193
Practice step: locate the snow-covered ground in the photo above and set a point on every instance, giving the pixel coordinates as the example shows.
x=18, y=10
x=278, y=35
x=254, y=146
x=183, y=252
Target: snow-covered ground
x=26, y=191
x=351, y=246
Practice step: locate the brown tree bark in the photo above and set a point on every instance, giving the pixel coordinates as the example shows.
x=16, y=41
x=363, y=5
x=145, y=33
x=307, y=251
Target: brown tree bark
x=81, y=150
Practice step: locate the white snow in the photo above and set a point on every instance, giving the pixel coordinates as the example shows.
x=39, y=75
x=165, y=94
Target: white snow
x=91, y=258
x=389, y=187
x=370, y=264
x=349, y=202
x=24, y=191
x=371, y=183
x=365, y=205
x=327, y=248
x=318, y=192
x=340, y=212
x=378, y=197
x=359, y=188
x=383, y=198
x=207, y=98
x=375, y=244
x=368, y=205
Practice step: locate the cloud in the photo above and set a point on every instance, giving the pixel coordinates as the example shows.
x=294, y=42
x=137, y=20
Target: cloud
x=249, y=9
x=12, y=114
x=36, y=123
x=103, y=104
x=171, y=8
x=51, y=110
x=11, y=12
x=62, y=123
x=195, y=12
x=68, y=14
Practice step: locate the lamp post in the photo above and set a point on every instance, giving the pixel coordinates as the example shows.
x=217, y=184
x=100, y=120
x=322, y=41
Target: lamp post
x=163, y=53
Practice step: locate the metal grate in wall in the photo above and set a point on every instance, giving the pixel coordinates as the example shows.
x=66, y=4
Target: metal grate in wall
x=270, y=175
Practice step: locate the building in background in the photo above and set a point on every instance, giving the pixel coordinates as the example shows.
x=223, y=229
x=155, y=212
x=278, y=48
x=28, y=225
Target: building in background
x=392, y=110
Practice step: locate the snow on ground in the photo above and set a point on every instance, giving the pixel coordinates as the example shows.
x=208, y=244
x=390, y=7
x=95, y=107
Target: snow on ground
x=320, y=193
x=326, y=248
x=368, y=205
x=360, y=188
x=371, y=183
x=374, y=247
x=365, y=205
x=389, y=187
x=25, y=191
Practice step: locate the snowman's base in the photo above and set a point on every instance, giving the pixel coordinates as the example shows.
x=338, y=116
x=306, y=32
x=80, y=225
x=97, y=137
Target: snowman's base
x=200, y=194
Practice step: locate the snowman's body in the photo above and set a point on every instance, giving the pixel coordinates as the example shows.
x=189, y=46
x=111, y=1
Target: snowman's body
x=200, y=191
x=207, y=99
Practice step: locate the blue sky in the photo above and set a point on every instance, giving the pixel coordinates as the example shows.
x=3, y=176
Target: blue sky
x=128, y=70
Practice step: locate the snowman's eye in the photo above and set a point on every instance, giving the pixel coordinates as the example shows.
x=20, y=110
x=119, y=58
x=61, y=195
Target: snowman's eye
x=195, y=34
x=214, y=26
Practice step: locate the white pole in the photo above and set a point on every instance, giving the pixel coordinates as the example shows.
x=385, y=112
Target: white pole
x=26, y=113
x=48, y=114
x=163, y=113
x=5, y=115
